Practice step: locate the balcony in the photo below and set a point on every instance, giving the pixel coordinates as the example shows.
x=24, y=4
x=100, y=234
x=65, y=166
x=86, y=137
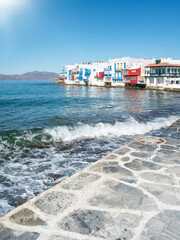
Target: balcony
x=80, y=72
x=80, y=77
x=87, y=71
x=117, y=79
x=99, y=75
x=96, y=76
x=118, y=69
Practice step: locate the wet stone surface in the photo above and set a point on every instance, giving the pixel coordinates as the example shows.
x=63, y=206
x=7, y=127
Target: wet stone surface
x=61, y=238
x=82, y=180
x=164, y=226
x=85, y=221
x=121, y=227
x=174, y=170
x=122, y=196
x=166, y=194
x=125, y=159
x=27, y=217
x=9, y=234
x=122, y=151
x=158, y=178
x=142, y=154
x=55, y=202
x=115, y=171
x=142, y=147
x=112, y=157
x=132, y=193
x=139, y=165
x=167, y=159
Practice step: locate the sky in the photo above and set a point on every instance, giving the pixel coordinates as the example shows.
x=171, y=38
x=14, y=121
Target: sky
x=45, y=35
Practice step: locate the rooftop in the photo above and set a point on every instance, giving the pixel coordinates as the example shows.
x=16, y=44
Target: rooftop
x=163, y=65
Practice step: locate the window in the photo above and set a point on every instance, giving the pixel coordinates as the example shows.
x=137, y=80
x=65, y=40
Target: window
x=151, y=80
x=177, y=82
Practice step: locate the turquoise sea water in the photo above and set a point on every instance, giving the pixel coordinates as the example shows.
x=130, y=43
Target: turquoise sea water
x=48, y=129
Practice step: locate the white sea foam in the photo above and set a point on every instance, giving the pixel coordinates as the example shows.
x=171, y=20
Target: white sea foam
x=128, y=128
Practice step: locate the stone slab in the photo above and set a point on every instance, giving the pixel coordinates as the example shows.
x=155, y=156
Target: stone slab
x=140, y=165
x=9, y=234
x=121, y=196
x=27, y=217
x=55, y=202
x=126, y=195
x=121, y=227
x=166, y=194
x=86, y=222
x=164, y=226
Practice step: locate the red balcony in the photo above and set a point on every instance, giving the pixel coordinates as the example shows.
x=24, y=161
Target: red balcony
x=135, y=72
x=99, y=75
x=96, y=76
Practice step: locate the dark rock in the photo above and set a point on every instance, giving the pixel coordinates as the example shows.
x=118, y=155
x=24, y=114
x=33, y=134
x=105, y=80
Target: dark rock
x=56, y=176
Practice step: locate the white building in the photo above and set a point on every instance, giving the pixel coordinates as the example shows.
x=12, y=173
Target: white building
x=118, y=72
x=163, y=74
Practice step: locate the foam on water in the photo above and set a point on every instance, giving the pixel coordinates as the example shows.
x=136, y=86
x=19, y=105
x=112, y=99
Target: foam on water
x=130, y=127
x=41, y=134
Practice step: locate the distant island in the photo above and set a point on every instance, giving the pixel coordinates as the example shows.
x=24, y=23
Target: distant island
x=35, y=75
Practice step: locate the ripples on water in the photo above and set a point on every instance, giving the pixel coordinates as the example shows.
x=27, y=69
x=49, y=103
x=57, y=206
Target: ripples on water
x=47, y=129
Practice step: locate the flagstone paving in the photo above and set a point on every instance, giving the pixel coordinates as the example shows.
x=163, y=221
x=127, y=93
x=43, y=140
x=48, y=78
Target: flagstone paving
x=132, y=193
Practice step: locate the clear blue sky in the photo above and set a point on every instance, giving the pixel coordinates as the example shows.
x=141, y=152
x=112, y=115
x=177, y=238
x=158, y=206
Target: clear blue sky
x=47, y=34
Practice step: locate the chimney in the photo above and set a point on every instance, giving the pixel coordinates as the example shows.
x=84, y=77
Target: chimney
x=158, y=61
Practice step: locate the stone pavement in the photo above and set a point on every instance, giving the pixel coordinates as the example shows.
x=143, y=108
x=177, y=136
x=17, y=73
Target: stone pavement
x=132, y=193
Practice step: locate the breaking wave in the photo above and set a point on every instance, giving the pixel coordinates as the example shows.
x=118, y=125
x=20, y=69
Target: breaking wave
x=130, y=127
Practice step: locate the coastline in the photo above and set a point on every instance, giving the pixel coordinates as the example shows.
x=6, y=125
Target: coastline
x=138, y=88
x=133, y=187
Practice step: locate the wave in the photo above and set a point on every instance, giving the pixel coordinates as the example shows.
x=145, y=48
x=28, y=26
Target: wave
x=130, y=127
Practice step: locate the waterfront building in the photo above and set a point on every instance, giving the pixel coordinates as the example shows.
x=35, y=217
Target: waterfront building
x=163, y=74
x=124, y=71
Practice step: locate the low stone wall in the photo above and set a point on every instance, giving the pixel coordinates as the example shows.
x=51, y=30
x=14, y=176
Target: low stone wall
x=132, y=193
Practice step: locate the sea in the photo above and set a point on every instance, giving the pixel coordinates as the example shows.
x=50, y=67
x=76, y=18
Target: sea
x=48, y=129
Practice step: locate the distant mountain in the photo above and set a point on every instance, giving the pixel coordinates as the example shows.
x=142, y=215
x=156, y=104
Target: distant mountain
x=35, y=75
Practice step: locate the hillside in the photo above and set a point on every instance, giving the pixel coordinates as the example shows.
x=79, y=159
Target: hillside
x=35, y=75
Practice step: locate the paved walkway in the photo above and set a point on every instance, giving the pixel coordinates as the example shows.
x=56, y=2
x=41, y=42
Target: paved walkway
x=132, y=193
